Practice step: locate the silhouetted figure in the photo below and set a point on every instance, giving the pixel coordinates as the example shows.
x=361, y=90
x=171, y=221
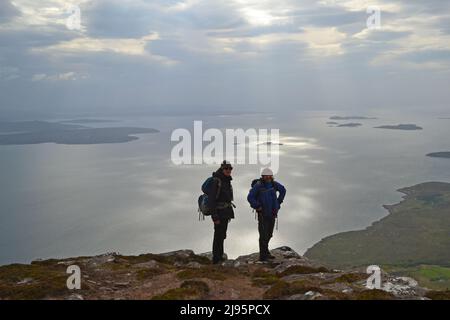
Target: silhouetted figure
x=221, y=207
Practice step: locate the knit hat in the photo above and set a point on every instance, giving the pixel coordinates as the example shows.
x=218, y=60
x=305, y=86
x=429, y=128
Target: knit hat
x=267, y=172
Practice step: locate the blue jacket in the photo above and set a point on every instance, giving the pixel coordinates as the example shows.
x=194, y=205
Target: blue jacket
x=264, y=195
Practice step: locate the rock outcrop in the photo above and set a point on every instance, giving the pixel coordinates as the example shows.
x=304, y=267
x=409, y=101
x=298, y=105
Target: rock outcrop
x=184, y=275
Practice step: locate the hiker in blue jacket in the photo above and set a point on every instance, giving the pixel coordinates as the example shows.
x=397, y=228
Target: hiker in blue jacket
x=264, y=199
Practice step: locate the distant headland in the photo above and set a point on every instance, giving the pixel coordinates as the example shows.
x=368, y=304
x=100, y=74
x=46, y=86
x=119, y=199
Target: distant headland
x=444, y=154
x=34, y=132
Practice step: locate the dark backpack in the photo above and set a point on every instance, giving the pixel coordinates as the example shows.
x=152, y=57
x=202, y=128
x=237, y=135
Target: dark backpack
x=255, y=181
x=207, y=186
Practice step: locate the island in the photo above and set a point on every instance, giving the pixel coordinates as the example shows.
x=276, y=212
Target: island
x=443, y=154
x=270, y=143
x=34, y=132
x=350, y=125
x=351, y=118
x=87, y=121
x=400, y=127
x=34, y=126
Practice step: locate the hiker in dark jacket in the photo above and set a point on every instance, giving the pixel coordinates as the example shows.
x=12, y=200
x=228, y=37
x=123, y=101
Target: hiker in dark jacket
x=264, y=199
x=222, y=208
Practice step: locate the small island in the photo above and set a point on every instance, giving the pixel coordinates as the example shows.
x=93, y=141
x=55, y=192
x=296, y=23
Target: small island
x=443, y=154
x=87, y=121
x=34, y=132
x=407, y=127
x=350, y=125
x=270, y=143
x=351, y=118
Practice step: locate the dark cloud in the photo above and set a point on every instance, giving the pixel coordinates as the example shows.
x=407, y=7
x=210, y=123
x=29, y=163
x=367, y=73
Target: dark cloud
x=209, y=15
x=330, y=17
x=118, y=19
x=7, y=11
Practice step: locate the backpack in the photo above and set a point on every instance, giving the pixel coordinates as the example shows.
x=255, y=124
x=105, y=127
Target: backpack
x=207, y=186
x=259, y=180
x=255, y=181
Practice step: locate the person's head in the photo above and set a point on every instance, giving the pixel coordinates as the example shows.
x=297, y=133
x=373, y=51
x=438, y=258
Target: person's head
x=226, y=168
x=267, y=175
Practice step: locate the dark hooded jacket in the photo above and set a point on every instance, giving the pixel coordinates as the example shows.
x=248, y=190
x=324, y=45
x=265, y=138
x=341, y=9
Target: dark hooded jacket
x=225, y=197
x=264, y=195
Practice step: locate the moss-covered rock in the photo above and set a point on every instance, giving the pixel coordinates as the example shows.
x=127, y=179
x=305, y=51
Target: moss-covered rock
x=262, y=277
x=36, y=281
x=299, y=269
x=283, y=289
x=189, y=290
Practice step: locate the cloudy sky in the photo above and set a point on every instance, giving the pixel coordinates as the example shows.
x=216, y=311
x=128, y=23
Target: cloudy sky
x=184, y=55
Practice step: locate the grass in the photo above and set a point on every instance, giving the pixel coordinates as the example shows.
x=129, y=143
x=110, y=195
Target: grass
x=189, y=290
x=433, y=277
x=428, y=276
x=303, y=270
x=207, y=272
x=351, y=277
x=282, y=289
x=46, y=280
x=264, y=278
x=146, y=274
x=165, y=259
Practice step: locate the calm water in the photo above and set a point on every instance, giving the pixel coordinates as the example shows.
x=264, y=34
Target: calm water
x=60, y=200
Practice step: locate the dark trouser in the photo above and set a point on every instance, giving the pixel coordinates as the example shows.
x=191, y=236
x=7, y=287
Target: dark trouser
x=265, y=228
x=220, y=234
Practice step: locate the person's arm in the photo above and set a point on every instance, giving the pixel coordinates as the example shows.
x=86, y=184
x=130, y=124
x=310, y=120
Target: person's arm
x=251, y=198
x=281, y=192
x=212, y=200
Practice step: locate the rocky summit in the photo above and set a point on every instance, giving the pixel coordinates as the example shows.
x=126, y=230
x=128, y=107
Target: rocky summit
x=186, y=275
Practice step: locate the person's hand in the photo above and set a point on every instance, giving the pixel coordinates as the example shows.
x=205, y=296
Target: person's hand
x=259, y=209
x=216, y=221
